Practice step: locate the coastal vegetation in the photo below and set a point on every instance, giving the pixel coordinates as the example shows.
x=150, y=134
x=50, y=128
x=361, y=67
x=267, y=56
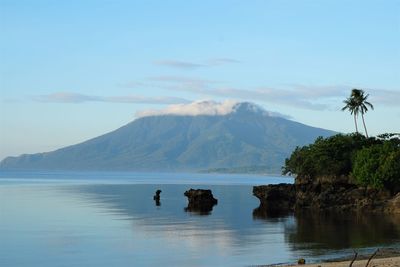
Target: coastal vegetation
x=373, y=161
x=370, y=161
x=343, y=172
x=378, y=165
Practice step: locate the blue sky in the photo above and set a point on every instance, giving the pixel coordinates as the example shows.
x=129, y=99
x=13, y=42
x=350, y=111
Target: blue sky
x=72, y=70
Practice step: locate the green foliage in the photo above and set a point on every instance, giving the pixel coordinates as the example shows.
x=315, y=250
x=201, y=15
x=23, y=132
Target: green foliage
x=372, y=161
x=379, y=165
x=326, y=156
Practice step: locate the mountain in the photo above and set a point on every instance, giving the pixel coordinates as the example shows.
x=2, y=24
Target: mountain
x=247, y=137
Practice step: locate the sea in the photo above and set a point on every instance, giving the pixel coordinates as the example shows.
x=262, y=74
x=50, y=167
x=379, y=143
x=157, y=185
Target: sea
x=108, y=219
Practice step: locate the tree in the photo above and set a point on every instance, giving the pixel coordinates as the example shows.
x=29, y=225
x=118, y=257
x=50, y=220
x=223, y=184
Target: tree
x=373, y=162
x=326, y=156
x=357, y=103
x=362, y=103
x=379, y=165
x=351, y=105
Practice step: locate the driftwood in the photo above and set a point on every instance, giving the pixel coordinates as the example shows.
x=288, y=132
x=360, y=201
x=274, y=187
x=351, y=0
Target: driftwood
x=370, y=258
x=355, y=257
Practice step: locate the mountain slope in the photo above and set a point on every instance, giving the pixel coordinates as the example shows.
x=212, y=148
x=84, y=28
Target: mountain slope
x=247, y=136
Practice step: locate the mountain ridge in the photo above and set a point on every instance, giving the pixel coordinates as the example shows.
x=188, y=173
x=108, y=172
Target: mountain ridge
x=246, y=136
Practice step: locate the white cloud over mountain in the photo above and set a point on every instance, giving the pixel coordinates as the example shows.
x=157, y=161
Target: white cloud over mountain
x=211, y=108
x=193, y=109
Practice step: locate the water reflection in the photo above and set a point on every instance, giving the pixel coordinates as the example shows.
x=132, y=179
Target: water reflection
x=261, y=213
x=319, y=232
x=135, y=202
x=199, y=210
x=343, y=230
x=234, y=223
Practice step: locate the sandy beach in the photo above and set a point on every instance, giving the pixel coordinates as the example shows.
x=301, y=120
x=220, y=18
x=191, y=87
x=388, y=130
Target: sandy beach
x=383, y=262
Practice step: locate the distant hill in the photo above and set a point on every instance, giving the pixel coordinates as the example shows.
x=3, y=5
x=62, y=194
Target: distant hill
x=247, y=138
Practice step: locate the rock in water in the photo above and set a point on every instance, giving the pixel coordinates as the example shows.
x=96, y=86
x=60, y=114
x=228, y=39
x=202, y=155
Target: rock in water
x=200, y=200
x=278, y=198
x=157, y=197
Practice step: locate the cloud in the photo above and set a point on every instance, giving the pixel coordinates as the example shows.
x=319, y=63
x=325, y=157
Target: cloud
x=178, y=83
x=178, y=64
x=292, y=95
x=222, y=61
x=318, y=92
x=384, y=97
x=277, y=96
x=206, y=107
x=65, y=97
x=187, y=65
x=268, y=95
x=193, y=109
x=132, y=84
x=68, y=97
x=180, y=79
x=306, y=97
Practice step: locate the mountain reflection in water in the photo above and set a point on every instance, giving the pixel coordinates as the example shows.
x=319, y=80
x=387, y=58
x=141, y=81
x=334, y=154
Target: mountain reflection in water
x=237, y=210
x=103, y=223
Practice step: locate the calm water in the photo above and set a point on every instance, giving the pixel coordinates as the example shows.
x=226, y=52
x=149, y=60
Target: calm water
x=110, y=219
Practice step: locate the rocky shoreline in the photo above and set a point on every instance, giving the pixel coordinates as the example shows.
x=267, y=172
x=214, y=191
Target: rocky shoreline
x=326, y=193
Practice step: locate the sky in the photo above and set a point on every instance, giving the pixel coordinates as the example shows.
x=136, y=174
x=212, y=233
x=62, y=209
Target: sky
x=73, y=70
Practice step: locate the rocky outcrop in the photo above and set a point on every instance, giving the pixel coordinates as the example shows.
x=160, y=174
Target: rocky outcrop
x=200, y=200
x=338, y=193
x=275, y=199
x=325, y=193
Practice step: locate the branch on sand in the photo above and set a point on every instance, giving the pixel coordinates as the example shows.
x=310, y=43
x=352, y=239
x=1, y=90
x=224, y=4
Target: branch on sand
x=370, y=258
x=355, y=257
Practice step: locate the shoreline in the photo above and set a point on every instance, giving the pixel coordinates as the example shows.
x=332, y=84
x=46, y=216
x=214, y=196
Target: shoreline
x=381, y=262
x=385, y=257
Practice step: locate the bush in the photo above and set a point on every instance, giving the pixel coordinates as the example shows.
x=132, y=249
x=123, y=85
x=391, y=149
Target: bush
x=379, y=166
x=371, y=161
x=327, y=156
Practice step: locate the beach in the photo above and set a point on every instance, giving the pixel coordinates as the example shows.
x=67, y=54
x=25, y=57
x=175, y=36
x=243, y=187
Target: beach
x=383, y=262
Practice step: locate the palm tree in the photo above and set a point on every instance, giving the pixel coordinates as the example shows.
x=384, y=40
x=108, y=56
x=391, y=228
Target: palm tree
x=353, y=108
x=363, y=104
x=357, y=103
